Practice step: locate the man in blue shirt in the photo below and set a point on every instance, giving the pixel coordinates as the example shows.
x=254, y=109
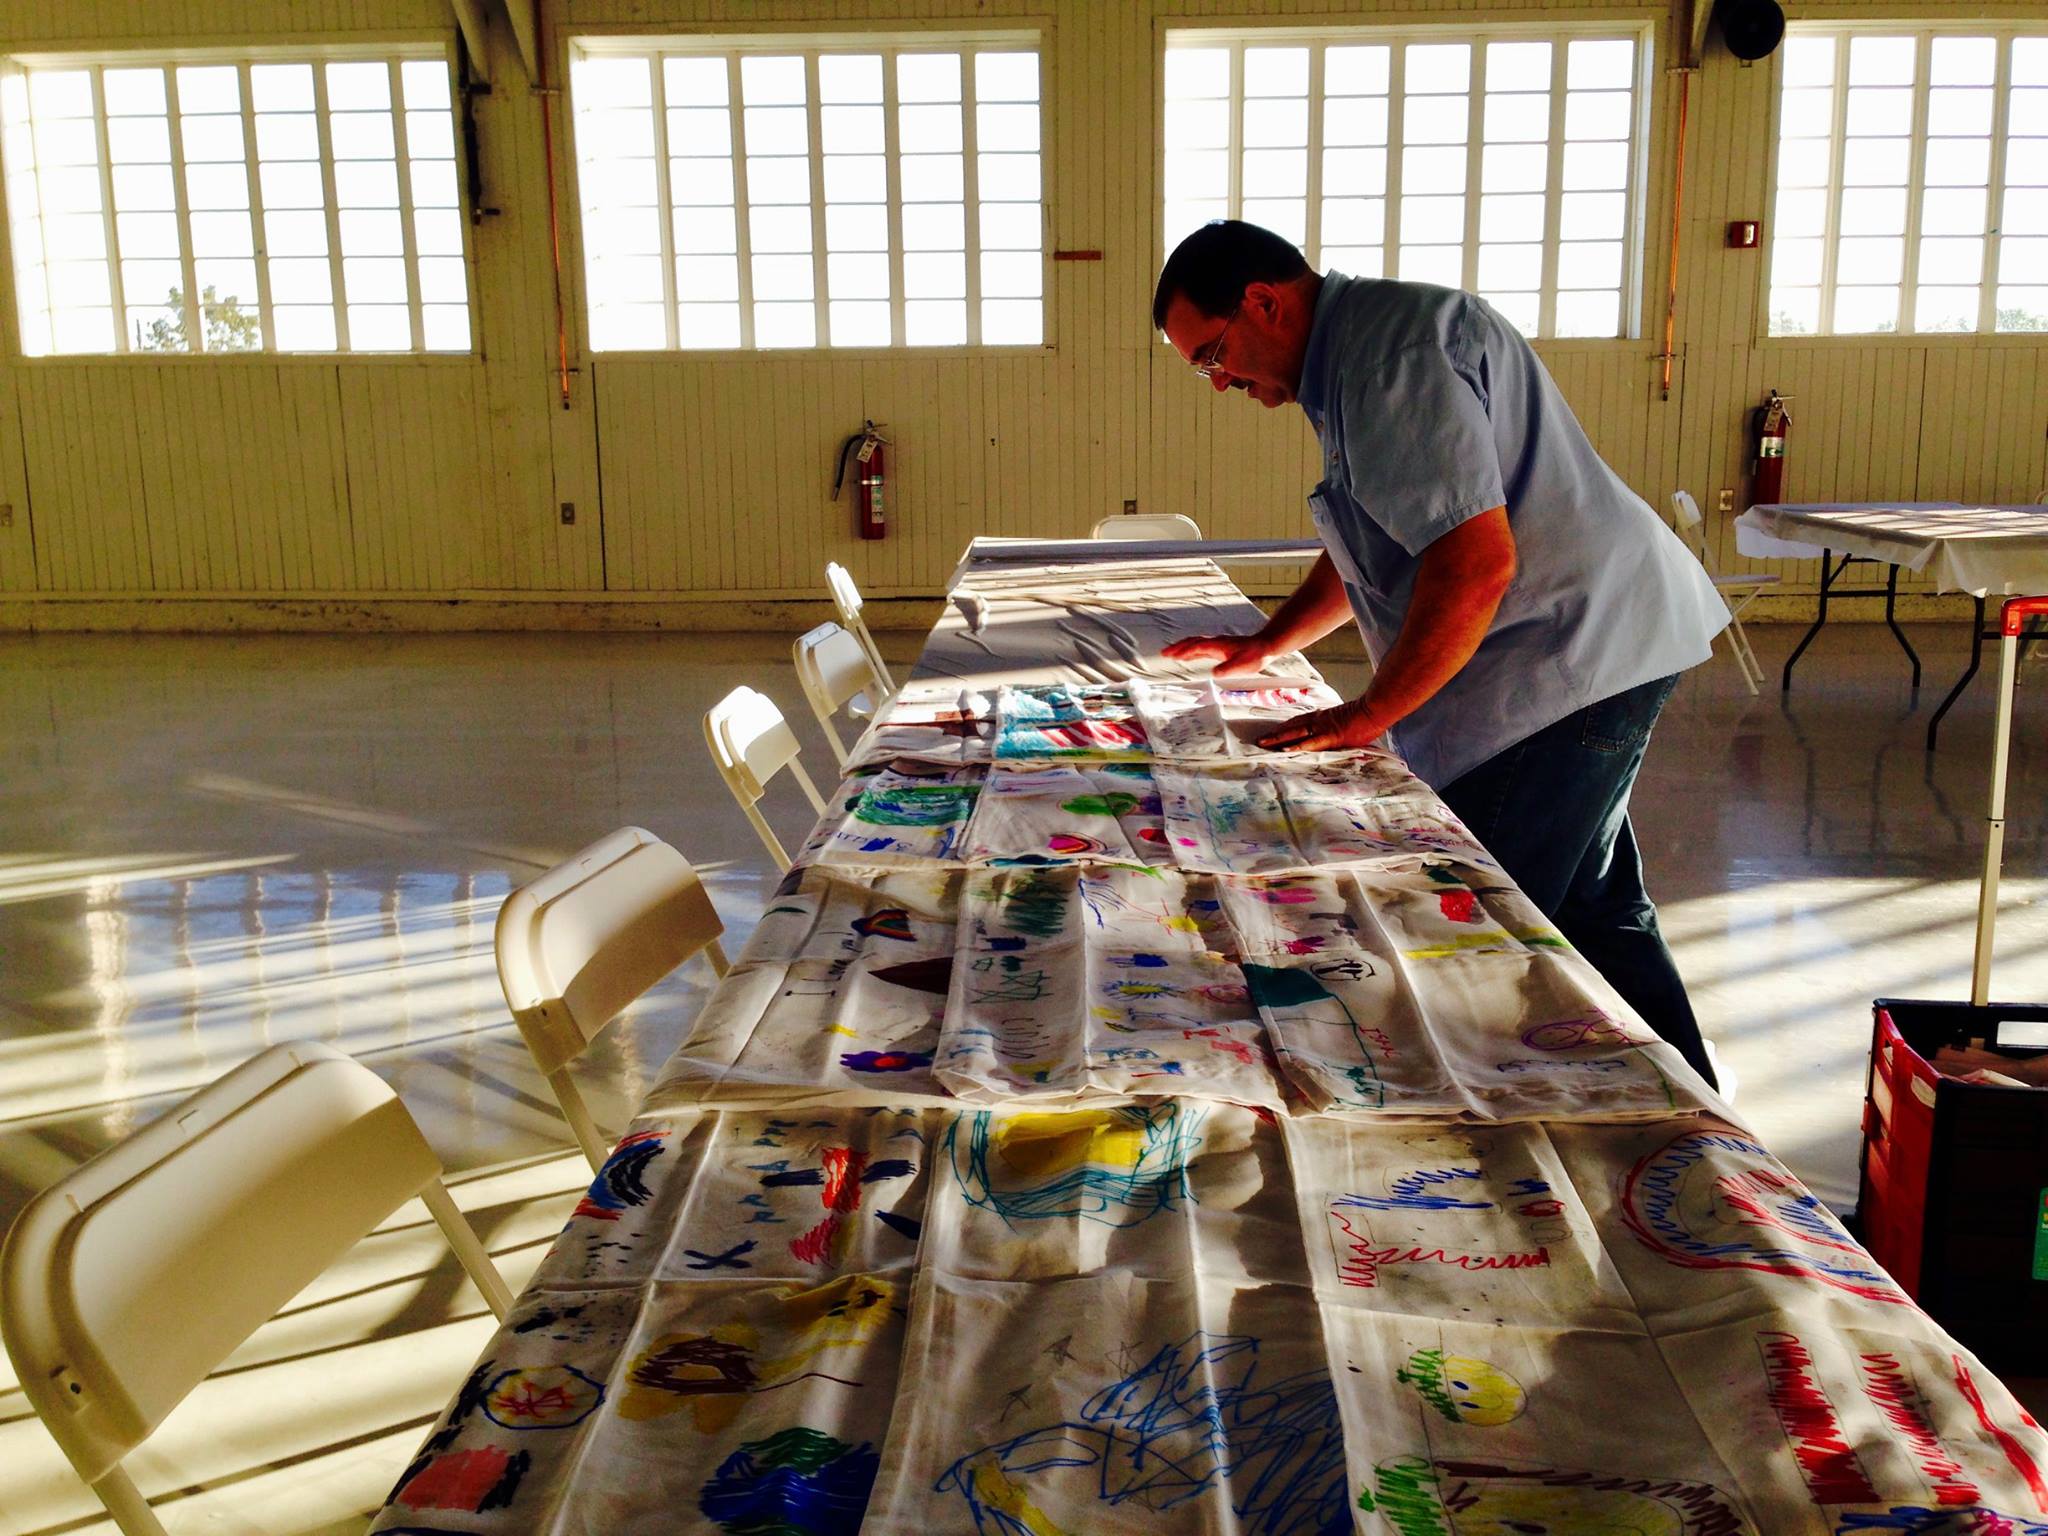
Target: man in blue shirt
x=1526, y=613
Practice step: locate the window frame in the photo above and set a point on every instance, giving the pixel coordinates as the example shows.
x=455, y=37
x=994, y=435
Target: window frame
x=1638, y=26
x=391, y=49
x=1923, y=32
x=1022, y=33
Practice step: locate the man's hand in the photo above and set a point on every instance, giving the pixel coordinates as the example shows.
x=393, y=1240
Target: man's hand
x=1326, y=730
x=1234, y=655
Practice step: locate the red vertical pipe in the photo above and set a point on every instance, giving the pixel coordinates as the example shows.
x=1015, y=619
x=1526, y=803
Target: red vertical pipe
x=1677, y=210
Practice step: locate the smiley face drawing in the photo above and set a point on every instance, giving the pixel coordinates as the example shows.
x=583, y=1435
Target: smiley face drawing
x=1463, y=1389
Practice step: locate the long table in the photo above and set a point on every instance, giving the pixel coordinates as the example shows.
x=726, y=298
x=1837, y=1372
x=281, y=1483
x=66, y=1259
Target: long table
x=1113, y=1128
x=1973, y=549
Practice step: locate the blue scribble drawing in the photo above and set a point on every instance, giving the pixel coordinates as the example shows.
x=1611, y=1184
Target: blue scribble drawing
x=1410, y=1192
x=728, y=1259
x=800, y=1481
x=1119, y=1166
x=1193, y=1421
x=1915, y=1521
x=621, y=1183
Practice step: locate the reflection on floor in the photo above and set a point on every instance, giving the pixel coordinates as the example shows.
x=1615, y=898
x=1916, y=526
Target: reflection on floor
x=211, y=844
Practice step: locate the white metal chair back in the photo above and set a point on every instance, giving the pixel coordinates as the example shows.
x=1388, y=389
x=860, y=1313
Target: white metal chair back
x=128, y=1281
x=835, y=672
x=1147, y=525
x=847, y=600
x=1738, y=590
x=750, y=743
x=1692, y=529
x=578, y=945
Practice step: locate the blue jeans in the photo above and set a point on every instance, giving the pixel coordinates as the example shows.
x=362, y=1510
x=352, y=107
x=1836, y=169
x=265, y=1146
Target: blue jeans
x=1553, y=808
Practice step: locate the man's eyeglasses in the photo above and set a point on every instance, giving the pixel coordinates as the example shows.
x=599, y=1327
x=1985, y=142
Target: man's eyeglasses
x=1209, y=361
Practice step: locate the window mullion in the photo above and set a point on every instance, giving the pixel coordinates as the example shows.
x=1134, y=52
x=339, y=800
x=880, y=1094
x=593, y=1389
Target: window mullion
x=814, y=146
x=333, y=210
x=970, y=196
x=893, y=187
x=742, y=205
x=1832, y=214
x=116, y=290
x=1312, y=215
x=408, y=242
x=1916, y=181
x=1994, y=193
x=1553, y=191
x=1397, y=95
x=257, y=234
x=664, y=209
x=1234, y=154
x=182, y=207
x=1475, y=132
x=42, y=219
x=1642, y=91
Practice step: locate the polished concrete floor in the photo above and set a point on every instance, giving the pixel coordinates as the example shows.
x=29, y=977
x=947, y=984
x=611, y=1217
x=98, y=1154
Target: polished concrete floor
x=210, y=844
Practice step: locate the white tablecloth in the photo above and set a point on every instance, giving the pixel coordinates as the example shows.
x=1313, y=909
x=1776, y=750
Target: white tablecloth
x=1974, y=549
x=1143, y=1138
x=988, y=552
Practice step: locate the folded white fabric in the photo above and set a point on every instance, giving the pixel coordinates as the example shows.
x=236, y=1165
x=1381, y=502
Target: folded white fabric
x=907, y=813
x=1086, y=982
x=1064, y=813
x=1063, y=720
x=1442, y=992
x=1222, y=718
x=1276, y=815
x=937, y=722
x=838, y=995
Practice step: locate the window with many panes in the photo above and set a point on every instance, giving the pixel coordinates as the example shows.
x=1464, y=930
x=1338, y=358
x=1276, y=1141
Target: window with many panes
x=234, y=205
x=771, y=193
x=1504, y=163
x=1912, y=182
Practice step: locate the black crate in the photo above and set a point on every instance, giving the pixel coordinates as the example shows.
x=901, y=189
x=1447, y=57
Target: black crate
x=1954, y=1180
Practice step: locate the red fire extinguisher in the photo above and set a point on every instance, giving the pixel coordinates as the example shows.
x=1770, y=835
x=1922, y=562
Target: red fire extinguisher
x=1769, y=425
x=865, y=449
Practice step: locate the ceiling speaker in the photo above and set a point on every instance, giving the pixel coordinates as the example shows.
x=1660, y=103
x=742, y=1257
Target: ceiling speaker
x=1752, y=28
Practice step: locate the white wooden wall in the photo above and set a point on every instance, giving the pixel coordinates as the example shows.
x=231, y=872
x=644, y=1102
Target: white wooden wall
x=695, y=480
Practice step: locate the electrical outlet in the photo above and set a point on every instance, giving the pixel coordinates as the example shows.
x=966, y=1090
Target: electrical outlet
x=568, y=512
x=1130, y=505
x=1727, y=501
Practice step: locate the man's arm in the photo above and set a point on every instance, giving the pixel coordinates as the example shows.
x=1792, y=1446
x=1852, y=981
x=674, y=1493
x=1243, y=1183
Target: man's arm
x=1459, y=583
x=1316, y=607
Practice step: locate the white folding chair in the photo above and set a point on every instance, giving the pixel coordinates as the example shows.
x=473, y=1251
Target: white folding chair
x=579, y=944
x=1737, y=590
x=846, y=599
x=751, y=743
x=835, y=672
x=124, y=1284
x=1147, y=525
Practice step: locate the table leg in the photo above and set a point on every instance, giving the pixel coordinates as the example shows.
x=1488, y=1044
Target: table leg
x=1891, y=599
x=1827, y=579
x=1976, y=655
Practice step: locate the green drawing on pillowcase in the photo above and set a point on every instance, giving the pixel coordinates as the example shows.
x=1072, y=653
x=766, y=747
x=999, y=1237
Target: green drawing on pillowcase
x=1115, y=802
x=1036, y=905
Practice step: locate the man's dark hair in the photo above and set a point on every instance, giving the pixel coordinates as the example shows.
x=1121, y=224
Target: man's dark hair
x=1215, y=265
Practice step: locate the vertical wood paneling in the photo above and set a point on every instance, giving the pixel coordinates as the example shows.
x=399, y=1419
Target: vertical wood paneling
x=712, y=475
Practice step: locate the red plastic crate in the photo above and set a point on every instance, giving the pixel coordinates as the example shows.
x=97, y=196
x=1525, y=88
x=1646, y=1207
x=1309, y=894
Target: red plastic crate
x=1955, y=1180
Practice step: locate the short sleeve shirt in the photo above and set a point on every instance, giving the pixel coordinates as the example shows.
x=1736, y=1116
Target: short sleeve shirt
x=1432, y=409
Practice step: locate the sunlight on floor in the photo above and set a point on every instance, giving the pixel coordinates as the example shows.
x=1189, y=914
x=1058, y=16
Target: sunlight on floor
x=1786, y=972
x=324, y=1406
x=226, y=843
